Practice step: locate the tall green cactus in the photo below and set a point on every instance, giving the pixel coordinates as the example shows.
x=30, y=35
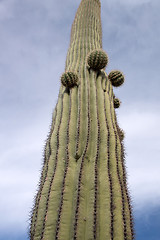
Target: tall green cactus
x=83, y=190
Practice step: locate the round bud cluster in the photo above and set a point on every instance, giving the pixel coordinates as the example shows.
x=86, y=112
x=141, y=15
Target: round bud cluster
x=116, y=77
x=121, y=134
x=97, y=59
x=117, y=103
x=69, y=79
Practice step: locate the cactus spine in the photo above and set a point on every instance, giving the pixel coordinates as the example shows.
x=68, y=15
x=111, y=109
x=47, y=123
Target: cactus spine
x=83, y=190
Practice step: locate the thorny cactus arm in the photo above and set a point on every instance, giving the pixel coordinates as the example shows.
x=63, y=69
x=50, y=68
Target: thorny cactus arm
x=83, y=190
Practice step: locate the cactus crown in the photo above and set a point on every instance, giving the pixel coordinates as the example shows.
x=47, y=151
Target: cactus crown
x=69, y=79
x=116, y=77
x=97, y=59
x=117, y=103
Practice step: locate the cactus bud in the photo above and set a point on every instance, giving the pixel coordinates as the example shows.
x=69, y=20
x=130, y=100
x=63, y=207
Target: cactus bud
x=69, y=79
x=97, y=59
x=121, y=134
x=117, y=103
x=116, y=77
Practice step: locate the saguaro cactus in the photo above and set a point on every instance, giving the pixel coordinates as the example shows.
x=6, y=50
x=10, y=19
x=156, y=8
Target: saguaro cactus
x=83, y=190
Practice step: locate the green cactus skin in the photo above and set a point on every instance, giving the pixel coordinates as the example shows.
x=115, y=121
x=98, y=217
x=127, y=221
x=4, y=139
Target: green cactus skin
x=97, y=59
x=69, y=79
x=83, y=191
x=116, y=77
x=117, y=103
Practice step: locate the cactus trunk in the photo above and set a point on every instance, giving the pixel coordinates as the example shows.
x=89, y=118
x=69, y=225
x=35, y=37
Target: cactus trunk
x=83, y=190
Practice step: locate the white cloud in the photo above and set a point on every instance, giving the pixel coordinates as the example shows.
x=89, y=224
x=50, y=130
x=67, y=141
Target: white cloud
x=20, y=165
x=18, y=190
x=142, y=152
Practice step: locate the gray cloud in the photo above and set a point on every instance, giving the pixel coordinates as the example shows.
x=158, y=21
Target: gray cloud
x=131, y=36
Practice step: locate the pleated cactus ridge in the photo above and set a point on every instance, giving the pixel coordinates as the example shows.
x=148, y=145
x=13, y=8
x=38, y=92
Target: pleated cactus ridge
x=83, y=192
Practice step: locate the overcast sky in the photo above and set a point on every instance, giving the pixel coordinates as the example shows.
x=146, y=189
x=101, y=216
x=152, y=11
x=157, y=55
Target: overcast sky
x=34, y=39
